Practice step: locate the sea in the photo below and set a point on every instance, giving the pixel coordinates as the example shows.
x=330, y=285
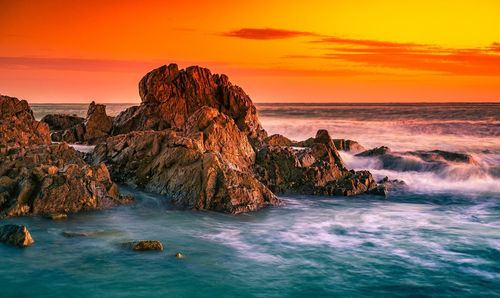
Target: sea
x=438, y=238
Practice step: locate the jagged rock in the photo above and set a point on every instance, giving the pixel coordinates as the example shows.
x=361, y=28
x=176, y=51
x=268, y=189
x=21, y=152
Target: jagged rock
x=97, y=124
x=278, y=140
x=18, y=127
x=315, y=169
x=71, y=129
x=206, y=165
x=58, y=122
x=393, y=185
x=375, y=152
x=170, y=96
x=30, y=183
x=16, y=235
x=348, y=145
x=144, y=245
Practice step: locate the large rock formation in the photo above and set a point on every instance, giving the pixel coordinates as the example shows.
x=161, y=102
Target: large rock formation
x=18, y=127
x=170, y=96
x=95, y=128
x=206, y=165
x=39, y=178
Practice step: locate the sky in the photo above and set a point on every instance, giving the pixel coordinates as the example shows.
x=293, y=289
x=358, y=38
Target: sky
x=277, y=51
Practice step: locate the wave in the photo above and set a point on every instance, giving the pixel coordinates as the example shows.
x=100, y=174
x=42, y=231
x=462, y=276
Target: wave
x=422, y=176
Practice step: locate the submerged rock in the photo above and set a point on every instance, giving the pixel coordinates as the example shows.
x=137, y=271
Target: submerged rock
x=16, y=235
x=179, y=255
x=144, y=245
x=57, y=216
x=170, y=96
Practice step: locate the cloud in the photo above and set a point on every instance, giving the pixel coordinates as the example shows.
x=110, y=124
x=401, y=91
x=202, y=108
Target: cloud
x=266, y=33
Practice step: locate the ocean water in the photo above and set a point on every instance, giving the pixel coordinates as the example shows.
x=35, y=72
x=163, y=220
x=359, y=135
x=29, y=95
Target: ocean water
x=441, y=238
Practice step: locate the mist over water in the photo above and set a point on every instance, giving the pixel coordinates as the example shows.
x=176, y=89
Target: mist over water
x=440, y=238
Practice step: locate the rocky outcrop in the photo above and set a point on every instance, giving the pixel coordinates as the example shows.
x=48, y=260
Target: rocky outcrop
x=53, y=179
x=375, y=152
x=39, y=178
x=95, y=128
x=348, y=145
x=18, y=127
x=16, y=235
x=206, y=165
x=170, y=96
x=315, y=169
x=279, y=140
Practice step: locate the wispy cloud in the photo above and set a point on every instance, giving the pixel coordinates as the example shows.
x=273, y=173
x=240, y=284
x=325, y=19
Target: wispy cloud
x=266, y=33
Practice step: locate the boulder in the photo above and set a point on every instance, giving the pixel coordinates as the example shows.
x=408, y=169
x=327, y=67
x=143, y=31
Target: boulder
x=170, y=96
x=145, y=245
x=97, y=124
x=207, y=165
x=18, y=126
x=16, y=235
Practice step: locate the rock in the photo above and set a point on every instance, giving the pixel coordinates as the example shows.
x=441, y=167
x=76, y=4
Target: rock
x=179, y=255
x=393, y=185
x=71, y=129
x=170, y=96
x=29, y=183
x=348, y=145
x=145, y=245
x=315, y=169
x=375, y=152
x=440, y=155
x=278, y=140
x=16, y=235
x=70, y=234
x=18, y=127
x=57, y=122
x=97, y=124
x=57, y=216
x=207, y=165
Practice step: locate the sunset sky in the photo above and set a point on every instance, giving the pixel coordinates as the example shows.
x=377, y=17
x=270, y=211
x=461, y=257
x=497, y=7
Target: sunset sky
x=307, y=51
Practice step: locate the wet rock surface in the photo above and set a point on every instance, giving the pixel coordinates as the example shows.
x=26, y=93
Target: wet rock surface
x=144, y=245
x=16, y=235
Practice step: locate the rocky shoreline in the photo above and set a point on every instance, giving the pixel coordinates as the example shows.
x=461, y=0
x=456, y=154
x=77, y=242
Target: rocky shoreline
x=195, y=138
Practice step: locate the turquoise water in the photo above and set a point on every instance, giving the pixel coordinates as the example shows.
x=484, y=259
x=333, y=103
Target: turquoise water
x=407, y=246
x=439, y=239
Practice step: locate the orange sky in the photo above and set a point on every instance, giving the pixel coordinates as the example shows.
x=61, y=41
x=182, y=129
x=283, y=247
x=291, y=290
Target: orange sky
x=308, y=51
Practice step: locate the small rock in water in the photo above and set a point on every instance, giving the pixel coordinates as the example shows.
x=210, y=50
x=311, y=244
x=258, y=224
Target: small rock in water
x=179, y=255
x=56, y=216
x=16, y=235
x=145, y=245
x=75, y=234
